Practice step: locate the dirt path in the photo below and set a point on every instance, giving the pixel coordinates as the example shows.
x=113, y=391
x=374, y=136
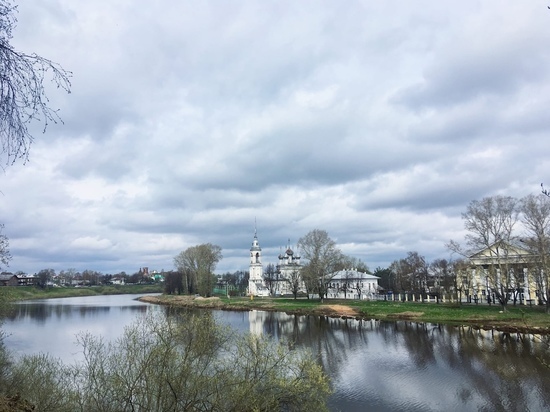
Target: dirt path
x=340, y=310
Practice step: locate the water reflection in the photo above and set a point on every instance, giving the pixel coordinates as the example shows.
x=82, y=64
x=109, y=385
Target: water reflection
x=52, y=325
x=391, y=366
x=373, y=365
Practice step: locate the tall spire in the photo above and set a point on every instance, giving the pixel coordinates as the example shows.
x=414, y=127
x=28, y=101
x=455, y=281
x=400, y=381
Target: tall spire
x=255, y=231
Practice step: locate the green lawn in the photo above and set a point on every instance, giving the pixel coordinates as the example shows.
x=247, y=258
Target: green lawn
x=520, y=316
x=425, y=312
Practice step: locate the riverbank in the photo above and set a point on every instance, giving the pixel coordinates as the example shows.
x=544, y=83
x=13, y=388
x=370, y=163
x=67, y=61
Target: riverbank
x=15, y=293
x=520, y=319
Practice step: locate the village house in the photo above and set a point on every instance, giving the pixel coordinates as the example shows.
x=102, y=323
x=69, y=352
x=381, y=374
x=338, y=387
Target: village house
x=352, y=284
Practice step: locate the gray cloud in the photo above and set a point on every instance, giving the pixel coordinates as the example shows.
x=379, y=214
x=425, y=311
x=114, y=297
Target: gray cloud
x=188, y=121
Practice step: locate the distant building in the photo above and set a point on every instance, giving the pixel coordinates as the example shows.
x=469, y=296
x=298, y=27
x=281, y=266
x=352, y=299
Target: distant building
x=345, y=284
x=352, y=284
x=288, y=267
x=21, y=279
x=8, y=279
x=256, y=286
x=505, y=266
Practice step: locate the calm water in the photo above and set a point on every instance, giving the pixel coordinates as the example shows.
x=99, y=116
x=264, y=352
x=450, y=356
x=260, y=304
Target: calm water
x=374, y=366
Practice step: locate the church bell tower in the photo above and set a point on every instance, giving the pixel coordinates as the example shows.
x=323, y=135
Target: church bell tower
x=255, y=279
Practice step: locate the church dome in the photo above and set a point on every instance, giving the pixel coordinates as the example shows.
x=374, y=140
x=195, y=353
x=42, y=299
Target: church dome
x=255, y=245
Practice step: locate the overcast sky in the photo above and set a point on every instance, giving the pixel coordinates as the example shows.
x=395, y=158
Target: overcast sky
x=377, y=121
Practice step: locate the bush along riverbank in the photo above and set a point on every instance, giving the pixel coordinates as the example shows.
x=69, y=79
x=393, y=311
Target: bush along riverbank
x=520, y=319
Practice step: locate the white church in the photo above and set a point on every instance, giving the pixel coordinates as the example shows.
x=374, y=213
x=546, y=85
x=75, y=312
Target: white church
x=345, y=284
x=289, y=264
x=256, y=284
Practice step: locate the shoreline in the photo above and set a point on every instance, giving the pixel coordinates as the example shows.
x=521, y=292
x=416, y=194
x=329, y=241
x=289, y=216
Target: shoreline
x=345, y=310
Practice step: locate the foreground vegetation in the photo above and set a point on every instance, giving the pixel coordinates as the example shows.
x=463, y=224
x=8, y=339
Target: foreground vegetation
x=166, y=363
x=515, y=318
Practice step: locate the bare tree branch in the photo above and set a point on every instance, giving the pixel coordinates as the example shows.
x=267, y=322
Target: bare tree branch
x=23, y=96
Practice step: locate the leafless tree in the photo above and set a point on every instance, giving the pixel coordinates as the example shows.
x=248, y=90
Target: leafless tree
x=439, y=272
x=411, y=274
x=399, y=275
x=418, y=272
x=23, y=96
x=323, y=258
x=490, y=224
x=294, y=281
x=271, y=277
x=5, y=255
x=461, y=281
x=347, y=285
x=351, y=262
x=536, y=221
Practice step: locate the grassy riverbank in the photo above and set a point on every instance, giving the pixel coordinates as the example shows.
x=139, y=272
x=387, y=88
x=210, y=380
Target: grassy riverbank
x=514, y=319
x=14, y=293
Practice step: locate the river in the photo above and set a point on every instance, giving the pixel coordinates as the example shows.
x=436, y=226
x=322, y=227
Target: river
x=373, y=365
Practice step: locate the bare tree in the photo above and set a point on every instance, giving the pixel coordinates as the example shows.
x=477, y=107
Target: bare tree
x=410, y=274
x=399, y=271
x=183, y=362
x=536, y=221
x=351, y=262
x=490, y=223
x=271, y=277
x=418, y=272
x=347, y=282
x=5, y=255
x=461, y=277
x=439, y=271
x=294, y=281
x=23, y=96
x=323, y=259
x=198, y=264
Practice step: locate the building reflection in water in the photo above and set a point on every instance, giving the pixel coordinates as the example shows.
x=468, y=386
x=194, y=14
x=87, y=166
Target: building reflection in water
x=418, y=366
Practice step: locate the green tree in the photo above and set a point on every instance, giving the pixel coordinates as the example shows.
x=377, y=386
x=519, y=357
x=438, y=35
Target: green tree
x=323, y=259
x=385, y=275
x=173, y=283
x=44, y=277
x=198, y=263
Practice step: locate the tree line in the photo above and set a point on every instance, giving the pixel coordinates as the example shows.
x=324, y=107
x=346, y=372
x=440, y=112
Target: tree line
x=195, y=267
x=498, y=225
x=87, y=277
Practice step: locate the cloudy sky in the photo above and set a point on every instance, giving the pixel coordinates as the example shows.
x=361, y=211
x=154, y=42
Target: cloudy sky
x=377, y=121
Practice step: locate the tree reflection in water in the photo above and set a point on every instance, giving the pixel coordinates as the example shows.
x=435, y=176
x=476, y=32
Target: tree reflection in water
x=407, y=365
x=373, y=365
